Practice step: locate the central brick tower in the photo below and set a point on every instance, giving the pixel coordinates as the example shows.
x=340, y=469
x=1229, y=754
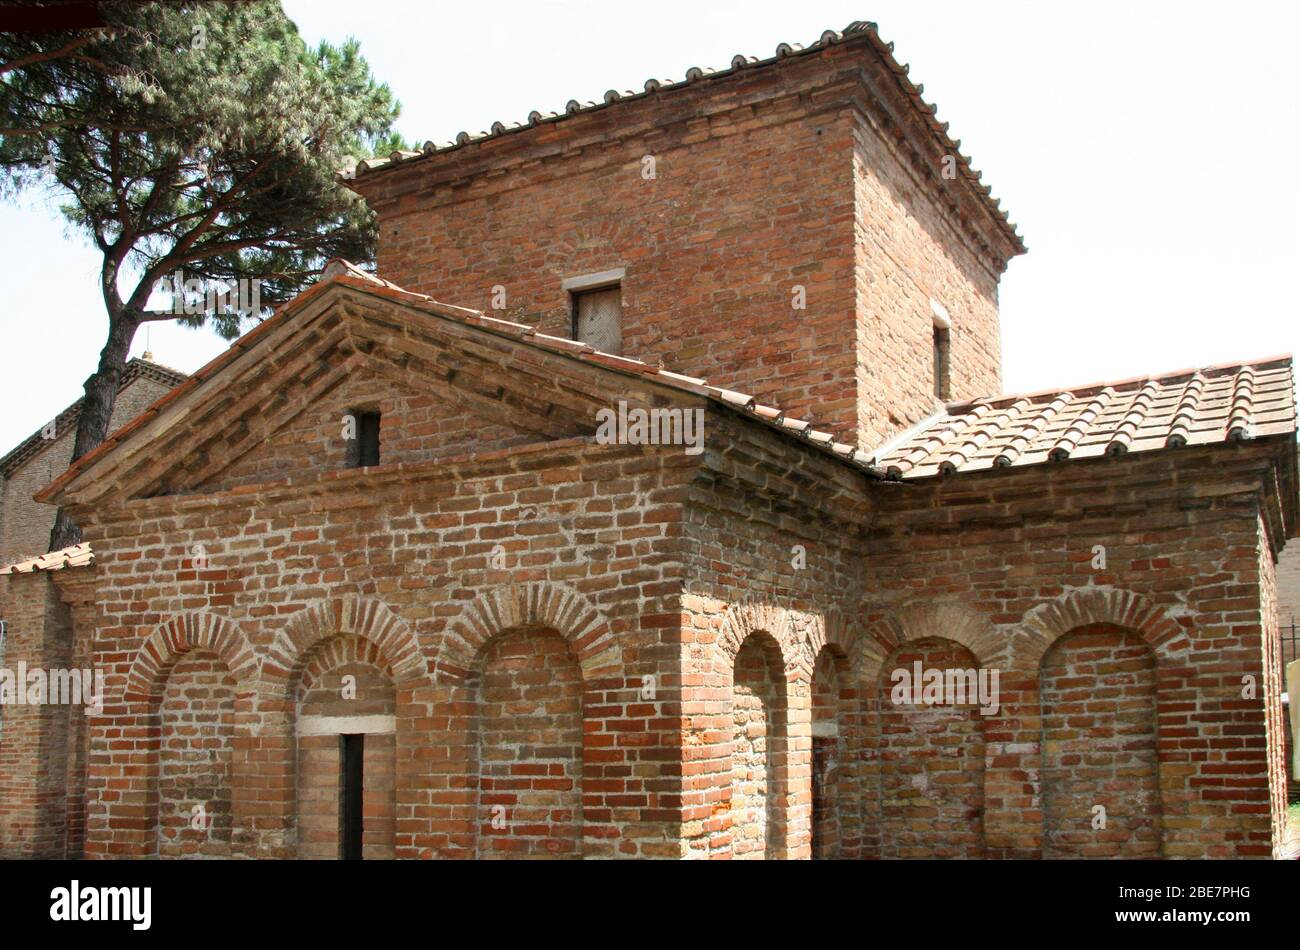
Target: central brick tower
x=800, y=228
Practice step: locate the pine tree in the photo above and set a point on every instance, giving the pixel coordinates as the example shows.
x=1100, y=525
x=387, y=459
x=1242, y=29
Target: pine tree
x=205, y=139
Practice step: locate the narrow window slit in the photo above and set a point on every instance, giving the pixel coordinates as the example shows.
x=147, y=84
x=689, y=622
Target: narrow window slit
x=363, y=450
x=352, y=750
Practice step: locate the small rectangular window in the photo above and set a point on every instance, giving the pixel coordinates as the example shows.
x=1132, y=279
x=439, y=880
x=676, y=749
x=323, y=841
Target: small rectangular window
x=942, y=350
x=363, y=450
x=598, y=318
x=352, y=751
x=942, y=355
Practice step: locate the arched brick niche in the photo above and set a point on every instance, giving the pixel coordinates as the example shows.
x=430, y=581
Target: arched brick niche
x=1100, y=771
x=1112, y=682
x=835, y=739
x=343, y=666
x=759, y=749
x=922, y=770
x=527, y=746
x=931, y=759
x=196, y=720
x=531, y=681
x=188, y=683
x=345, y=688
x=764, y=668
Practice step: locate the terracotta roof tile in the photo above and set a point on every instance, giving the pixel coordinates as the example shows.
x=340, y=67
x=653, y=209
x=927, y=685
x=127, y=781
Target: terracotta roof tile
x=1188, y=407
x=76, y=556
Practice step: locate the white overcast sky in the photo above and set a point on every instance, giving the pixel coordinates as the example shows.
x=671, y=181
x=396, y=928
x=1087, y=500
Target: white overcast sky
x=1149, y=152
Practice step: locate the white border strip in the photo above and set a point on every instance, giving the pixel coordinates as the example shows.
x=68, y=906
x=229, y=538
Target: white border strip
x=346, y=725
x=589, y=281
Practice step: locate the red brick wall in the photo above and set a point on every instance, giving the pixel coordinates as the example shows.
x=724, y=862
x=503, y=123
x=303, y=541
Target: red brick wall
x=711, y=294
x=1000, y=546
x=695, y=596
x=1099, y=746
x=907, y=254
x=931, y=764
x=587, y=533
x=743, y=549
x=37, y=742
x=196, y=722
x=1003, y=564
x=530, y=750
x=1184, y=582
x=764, y=182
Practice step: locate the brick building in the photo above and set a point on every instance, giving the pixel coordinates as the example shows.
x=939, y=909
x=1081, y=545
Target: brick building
x=38, y=808
x=377, y=581
x=25, y=525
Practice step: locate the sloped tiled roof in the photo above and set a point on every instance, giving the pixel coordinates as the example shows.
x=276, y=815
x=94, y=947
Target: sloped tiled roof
x=75, y=556
x=859, y=29
x=769, y=415
x=1216, y=404
x=1188, y=407
x=65, y=420
x=341, y=272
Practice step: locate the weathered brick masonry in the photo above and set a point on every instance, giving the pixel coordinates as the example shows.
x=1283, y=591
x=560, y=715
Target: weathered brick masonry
x=25, y=525
x=42, y=761
x=555, y=646
x=813, y=172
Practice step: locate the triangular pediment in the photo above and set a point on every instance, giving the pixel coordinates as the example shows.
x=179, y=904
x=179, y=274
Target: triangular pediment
x=274, y=407
x=418, y=423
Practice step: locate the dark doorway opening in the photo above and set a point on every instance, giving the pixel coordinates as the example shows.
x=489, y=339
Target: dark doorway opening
x=352, y=751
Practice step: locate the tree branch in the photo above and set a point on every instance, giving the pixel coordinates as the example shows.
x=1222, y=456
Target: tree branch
x=44, y=56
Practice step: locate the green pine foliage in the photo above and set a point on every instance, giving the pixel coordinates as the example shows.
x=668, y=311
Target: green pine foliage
x=204, y=138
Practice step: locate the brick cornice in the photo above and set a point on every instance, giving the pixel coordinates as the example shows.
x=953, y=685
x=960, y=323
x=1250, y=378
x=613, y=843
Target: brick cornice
x=1253, y=472
x=847, y=76
x=488, y=164
x=77, y=587
x=768, y=467
x=922, y=162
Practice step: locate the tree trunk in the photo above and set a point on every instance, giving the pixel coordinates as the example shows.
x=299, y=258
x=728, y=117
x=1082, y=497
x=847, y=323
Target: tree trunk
x=96, y=412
